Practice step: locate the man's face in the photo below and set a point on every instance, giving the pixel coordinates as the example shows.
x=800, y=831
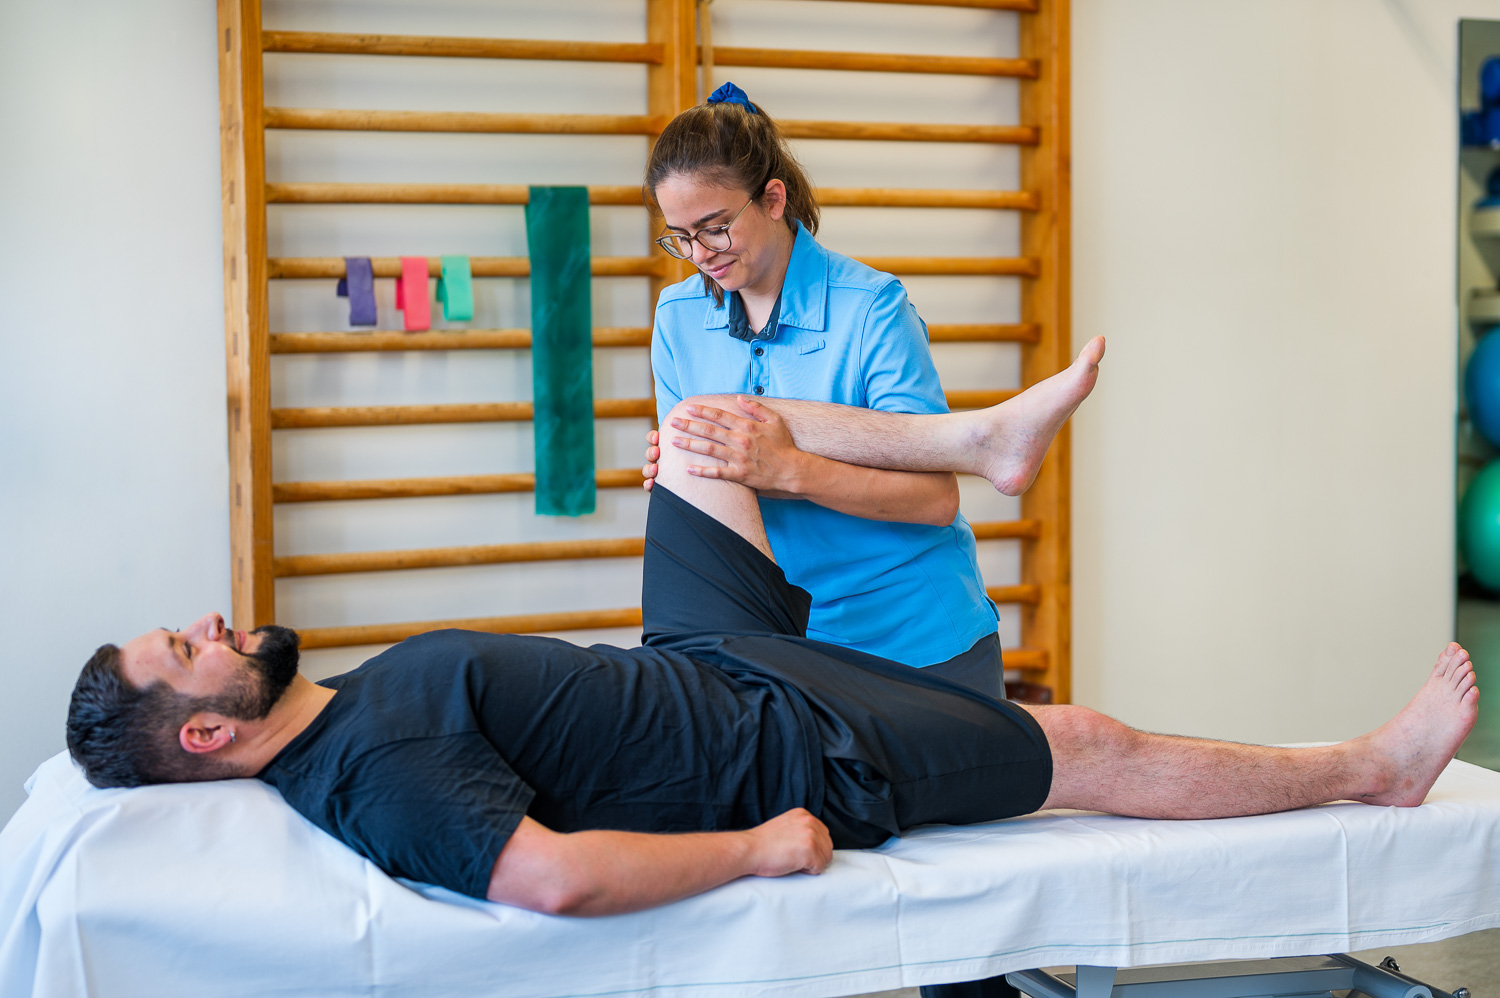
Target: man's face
x=248, y=671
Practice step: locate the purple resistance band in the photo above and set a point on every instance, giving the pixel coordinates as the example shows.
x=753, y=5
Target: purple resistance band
x=359, y=287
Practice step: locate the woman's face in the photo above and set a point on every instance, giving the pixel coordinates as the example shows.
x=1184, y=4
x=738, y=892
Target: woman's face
x=760, y=242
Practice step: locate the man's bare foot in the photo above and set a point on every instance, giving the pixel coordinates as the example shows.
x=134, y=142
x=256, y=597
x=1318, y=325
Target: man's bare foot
x=1407, y=753
x=1011, y=438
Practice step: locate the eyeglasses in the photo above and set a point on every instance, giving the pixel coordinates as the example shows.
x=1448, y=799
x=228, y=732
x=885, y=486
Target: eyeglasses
x=715, y=238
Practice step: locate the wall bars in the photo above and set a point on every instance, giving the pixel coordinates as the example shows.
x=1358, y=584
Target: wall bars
x=677, y=54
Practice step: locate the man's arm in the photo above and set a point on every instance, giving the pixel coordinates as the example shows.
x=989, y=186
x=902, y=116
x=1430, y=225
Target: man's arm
x=608, y=873
x=785, y=472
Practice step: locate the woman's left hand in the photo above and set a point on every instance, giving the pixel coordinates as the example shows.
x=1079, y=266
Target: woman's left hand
x=757, y=448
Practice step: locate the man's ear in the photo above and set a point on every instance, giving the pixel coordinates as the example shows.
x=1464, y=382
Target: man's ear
x=205, y=733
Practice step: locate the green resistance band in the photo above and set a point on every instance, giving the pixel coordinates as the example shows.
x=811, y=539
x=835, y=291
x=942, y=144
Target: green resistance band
x=562, y=357
x=455, y=289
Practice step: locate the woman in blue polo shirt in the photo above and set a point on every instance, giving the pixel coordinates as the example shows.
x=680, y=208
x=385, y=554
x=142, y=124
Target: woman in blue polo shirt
x=889, y=561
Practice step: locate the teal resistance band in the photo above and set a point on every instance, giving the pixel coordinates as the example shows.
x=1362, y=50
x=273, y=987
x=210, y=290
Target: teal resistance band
x=455, y=289
x=562, y=358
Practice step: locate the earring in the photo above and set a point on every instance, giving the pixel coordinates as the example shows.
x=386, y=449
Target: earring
x=231, y=736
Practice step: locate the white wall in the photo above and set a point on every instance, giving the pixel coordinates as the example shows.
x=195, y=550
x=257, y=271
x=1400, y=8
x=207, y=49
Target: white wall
x=112, y=456
x=1265, y=230
x=1263, y=227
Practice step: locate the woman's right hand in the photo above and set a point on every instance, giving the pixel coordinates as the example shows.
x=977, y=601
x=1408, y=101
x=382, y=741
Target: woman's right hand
x=653, y=454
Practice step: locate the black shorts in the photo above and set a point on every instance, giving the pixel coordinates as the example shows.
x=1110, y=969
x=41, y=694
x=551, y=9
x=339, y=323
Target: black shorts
x=900, y=748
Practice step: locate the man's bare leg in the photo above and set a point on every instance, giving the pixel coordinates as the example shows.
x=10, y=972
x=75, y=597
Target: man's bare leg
x=1004, y=443
x=730, y=503
x=1102, y=765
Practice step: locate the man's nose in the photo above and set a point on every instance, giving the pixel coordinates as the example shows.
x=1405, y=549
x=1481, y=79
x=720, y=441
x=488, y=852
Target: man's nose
x=210, y=626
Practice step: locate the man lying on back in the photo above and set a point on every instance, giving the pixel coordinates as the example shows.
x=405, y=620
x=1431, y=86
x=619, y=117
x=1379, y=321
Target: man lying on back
x=596, y=780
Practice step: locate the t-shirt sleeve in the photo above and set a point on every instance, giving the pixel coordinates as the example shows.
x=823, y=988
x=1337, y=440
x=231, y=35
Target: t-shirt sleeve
x=897, y=368
x=663, y=369
x=438, y=810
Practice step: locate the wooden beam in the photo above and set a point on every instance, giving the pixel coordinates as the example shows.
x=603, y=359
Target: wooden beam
x=981, y=399
x=1034, y=660
x=450, y=557
x=247, y=362
x=1046, y=301
x=1015, y=595
x=327, y=267
x=624, y=194
x=1013, y=332
x=449, y=485
x=898, y=197
x=330, y=43
x=955, y=266
x=873, y=62
x=882, y=131
x=1022, y=6
x=413, y=415
x=531, y=623
x=518, y=194
x=341, y=120
x=455, y=339
x=998, y=530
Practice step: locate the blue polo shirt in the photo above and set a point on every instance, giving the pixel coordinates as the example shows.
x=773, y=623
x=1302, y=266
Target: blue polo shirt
x=845, y=333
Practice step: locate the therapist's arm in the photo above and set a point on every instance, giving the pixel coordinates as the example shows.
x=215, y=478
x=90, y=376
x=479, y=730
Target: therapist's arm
x=608, y=873
x=760, y=453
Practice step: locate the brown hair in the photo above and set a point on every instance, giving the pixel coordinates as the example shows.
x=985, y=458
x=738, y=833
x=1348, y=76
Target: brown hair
x=726, y=145
x=127, y=737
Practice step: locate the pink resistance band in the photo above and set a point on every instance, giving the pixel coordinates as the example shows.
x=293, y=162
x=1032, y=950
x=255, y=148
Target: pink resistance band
x=411, y=293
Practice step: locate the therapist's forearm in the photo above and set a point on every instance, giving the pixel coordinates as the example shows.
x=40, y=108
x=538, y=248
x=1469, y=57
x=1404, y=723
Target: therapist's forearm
x=874, y=493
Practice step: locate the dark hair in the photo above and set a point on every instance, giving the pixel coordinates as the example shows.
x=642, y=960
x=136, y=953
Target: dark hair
x=726, y=145
x=127, y=737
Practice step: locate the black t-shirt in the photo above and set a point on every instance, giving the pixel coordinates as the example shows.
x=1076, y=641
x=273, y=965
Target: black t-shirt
x=430, y=753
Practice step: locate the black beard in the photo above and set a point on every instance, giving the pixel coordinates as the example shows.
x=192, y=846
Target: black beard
x=269, y=670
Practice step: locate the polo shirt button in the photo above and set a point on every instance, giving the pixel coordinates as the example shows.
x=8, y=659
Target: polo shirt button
x=760, y=351
x=759, y=390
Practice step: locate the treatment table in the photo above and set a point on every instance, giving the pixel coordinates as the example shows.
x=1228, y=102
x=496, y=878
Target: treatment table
x=222, y=889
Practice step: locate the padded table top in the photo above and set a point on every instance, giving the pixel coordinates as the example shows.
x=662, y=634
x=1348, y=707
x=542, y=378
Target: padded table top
x=223, y=889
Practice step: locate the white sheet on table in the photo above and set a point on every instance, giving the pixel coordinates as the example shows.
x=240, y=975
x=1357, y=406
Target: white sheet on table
x=222, y=889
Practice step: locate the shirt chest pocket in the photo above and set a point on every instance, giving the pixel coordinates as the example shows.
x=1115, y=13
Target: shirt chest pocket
x=811, y=346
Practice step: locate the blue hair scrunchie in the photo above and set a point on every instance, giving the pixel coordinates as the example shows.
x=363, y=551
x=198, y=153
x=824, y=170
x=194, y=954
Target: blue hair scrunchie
x=731, y=94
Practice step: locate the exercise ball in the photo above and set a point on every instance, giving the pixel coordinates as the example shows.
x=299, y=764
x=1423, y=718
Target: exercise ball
x=1482, y=387
x=1479, y=526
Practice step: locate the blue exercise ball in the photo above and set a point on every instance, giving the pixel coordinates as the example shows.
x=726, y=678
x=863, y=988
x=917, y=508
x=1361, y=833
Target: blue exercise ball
x=1482, y=388
x=1479, y=526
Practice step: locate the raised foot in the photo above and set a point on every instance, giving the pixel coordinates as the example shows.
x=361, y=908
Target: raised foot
x=1011, y=439
x=1407, y=753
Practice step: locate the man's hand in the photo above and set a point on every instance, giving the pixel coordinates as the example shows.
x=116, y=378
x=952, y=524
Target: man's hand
x=757, y=448
x=792, y=842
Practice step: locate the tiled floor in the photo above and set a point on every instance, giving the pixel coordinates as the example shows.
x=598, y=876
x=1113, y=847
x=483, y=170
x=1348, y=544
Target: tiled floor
x=1471, y=961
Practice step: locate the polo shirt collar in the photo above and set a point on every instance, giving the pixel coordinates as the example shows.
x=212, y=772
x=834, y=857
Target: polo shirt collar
x=739, y=322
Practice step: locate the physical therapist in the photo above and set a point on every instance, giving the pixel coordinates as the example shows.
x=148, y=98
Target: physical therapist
x=887, y=557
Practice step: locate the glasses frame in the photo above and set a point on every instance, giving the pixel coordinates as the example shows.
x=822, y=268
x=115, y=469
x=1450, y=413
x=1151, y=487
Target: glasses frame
x=667, y=241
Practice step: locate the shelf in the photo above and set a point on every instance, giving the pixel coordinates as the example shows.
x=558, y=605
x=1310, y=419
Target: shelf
x=1484, y=307
x=1485, y=222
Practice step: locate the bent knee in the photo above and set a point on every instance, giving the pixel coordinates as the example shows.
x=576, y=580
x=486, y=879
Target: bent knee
x=1071, y=728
